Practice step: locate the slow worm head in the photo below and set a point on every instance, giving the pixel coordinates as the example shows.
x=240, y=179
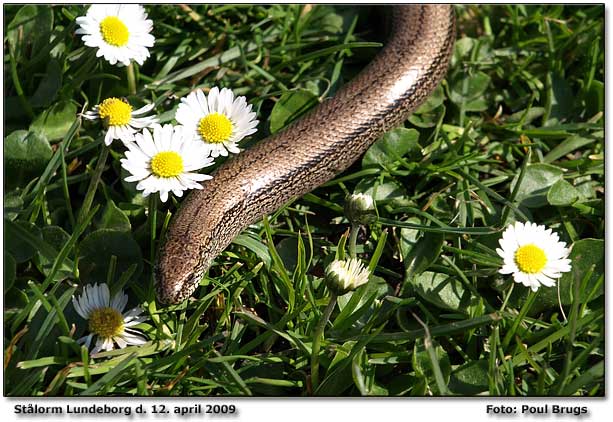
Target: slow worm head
x=310, y=151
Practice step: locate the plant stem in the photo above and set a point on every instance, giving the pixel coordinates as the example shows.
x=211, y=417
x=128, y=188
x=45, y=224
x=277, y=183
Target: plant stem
x=131, y=79
x=317, y=336
x=93, y=184
x=506, y=299
x=153, y=228
x=353, y=239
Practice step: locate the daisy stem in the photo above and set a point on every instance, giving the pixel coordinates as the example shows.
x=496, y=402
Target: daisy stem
x=353, y=240
x=93, y=184
x=506, y=299
x=131, y=79
x=317, y=336
x=153, y=226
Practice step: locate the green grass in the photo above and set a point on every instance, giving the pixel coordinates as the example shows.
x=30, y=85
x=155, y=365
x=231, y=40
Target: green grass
x=515, y=132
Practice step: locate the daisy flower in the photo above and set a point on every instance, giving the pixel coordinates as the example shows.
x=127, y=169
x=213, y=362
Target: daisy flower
x=166, y=162
x=106, y=319
x=343, y=276
x=122, y=122
x=119, y=31
x=219, y=120
x=533, y=254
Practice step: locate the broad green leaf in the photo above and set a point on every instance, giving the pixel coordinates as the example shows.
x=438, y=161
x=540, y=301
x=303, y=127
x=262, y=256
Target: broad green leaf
x=255, y=246
x=56, y=237
x=10, y=270
x=436, y=98
x=595, y=98
x=584, y=254
x=468, y=90
x=470, y=378
x=388, y=191
x=392, y=146
x=562, y=100
x=423, y=254
x=537, y=180
x=21, y=248
x=442, y=290
x=562, y=194
x=96, y=250
x=114, y=218
x=290, y=107
x=567, y=146
x=26, y=155
x=424, y=365
x=55, y=122
x=13, y=204
x=31, y=27
x=49, y=86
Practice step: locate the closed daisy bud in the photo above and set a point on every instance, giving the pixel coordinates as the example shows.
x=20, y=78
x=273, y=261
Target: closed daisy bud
x=533, y=254
x=344, y=276
x=360, y=208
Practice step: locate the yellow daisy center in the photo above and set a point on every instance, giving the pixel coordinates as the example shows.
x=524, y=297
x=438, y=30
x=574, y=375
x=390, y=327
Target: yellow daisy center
x=215, y=128
x=530, y=259
x=115, y=112
x=114, y=31
x=167, y=164
x=106, y=322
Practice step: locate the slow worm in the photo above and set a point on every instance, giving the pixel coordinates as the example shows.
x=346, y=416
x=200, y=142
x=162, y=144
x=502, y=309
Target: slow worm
x=310, y=151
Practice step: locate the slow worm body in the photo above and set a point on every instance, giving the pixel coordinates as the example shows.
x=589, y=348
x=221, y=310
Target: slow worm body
x=309, y=152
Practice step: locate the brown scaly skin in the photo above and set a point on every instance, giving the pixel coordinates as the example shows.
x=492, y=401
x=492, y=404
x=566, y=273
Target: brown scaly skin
x=309, y=152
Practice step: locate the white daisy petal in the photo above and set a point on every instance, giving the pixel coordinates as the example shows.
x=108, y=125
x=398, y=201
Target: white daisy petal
x=163, y=161
x=120, y=34
x=533, y=254
x=105, y=321
x=118, y=116
x=219, y=120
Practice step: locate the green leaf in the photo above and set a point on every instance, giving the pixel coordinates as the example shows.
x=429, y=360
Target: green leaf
x=424, y=365
x=30, y=27
x=442, y=290
x=55, y=121
x=114, y=218
x=388, y=190
x=49, y=86
x=256, y=246
x=21, y=244
x=436, y=98
x=290, y=107
x=537, y=180
x=56, y=237
x=467, y=90
x=567, y=146
x=471, y=378
x=423, y=254
x=562, y=194
x=595, y=98
x=96, y=250
x=392, y=146
x=562, y=99
x=584, y=254
x=10, y=270
x=13, y=204
x=26, y=155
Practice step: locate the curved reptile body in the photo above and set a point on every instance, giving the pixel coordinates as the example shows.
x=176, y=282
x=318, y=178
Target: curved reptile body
x=310, y=151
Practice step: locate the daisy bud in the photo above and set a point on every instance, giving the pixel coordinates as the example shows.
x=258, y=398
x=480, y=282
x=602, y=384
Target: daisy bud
x=360, y=208
x=344, y=276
